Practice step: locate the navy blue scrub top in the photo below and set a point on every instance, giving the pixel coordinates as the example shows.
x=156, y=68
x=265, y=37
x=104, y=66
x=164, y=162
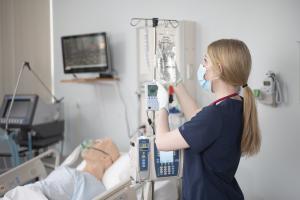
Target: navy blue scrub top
x=211, y=161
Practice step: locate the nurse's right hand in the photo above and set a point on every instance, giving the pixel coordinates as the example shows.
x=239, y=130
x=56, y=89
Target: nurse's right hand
x=178, y=77
x=171, y=76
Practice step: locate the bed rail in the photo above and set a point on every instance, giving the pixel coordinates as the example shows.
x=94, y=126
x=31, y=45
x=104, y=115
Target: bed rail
x=27, y=171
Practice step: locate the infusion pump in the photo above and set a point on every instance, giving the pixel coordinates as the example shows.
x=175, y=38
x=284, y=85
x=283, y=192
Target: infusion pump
x=152, y=164
x=151, y=90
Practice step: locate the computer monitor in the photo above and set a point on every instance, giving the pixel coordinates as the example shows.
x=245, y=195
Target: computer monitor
x=19, y=109
x=86, y=53
x=22, y=111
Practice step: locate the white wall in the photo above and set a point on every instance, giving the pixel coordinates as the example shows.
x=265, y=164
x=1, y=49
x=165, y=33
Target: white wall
x=25, y=26
x=270, y=28
x=1, y=67
x=7, y=61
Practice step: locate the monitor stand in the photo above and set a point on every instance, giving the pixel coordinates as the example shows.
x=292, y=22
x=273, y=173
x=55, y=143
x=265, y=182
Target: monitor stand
x=75, y=76
x=106, y=75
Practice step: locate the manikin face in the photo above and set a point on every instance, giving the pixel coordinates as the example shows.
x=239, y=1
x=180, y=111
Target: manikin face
x=100, y=155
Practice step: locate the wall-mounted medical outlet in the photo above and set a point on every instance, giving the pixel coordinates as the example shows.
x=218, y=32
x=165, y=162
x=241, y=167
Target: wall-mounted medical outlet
x=271, y=91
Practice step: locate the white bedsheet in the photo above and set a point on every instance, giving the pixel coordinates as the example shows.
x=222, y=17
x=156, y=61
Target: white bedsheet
x=21, y=193
x=63, y=183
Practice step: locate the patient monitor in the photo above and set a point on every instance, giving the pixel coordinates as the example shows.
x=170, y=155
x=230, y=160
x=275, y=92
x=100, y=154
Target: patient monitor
x=30, y=113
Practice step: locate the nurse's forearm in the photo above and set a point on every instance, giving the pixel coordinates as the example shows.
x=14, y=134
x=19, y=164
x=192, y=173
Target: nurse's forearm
x=167, y=140
x=162, y=123
x=187, y=103
x=162, y=129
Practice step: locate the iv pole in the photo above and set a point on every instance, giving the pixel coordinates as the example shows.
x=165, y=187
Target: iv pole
x=155, y=21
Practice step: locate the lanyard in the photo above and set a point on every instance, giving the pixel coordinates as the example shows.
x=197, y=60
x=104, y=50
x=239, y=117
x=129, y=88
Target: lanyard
x=223, y=98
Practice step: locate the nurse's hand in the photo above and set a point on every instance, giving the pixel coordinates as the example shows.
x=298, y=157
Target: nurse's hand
x=162, y=97
x=178, y=79
x=167, y=78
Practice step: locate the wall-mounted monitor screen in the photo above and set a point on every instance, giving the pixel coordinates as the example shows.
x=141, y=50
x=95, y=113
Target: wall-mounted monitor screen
x=86, y=53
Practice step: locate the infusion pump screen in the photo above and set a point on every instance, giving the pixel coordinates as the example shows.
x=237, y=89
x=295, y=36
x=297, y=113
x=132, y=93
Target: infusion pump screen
x=152, y=90
x=267, y=83
x=166, y=156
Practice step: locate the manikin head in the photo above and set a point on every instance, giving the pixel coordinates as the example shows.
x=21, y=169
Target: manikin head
x=99, y=155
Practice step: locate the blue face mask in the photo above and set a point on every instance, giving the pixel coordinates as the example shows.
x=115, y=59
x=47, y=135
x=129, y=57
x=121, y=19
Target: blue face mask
x=204, y=84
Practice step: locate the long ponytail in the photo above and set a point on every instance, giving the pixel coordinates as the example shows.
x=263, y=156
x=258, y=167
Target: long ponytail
x=251, y=139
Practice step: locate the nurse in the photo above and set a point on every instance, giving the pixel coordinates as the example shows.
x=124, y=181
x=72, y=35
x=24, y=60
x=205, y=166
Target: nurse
x=217, y=135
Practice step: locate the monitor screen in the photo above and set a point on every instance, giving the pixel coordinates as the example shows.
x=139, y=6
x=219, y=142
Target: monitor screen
x=85, y=53
x=166, y=156
x=152, y=90
x=267, y=83
x=19, y=109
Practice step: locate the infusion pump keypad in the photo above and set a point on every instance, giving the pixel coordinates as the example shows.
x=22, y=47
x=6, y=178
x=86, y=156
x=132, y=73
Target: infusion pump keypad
x=168, y=164
x=144, y=148
x=167, y=169
x=153, y=103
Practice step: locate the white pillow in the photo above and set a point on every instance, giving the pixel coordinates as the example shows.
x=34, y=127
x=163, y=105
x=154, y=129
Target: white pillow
x=119, y=171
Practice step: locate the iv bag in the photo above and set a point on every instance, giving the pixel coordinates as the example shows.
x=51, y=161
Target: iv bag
x=166, y=60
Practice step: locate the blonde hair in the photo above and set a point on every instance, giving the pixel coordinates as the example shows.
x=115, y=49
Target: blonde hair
x=235, y=59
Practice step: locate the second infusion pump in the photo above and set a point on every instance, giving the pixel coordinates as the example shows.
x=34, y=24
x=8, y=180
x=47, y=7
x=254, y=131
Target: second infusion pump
x=152, y=164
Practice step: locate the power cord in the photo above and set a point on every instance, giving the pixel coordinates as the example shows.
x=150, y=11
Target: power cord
x=150, y=122
x=125, y=110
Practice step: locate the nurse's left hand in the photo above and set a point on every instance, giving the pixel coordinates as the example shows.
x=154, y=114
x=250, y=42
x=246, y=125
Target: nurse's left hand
x=162, y=97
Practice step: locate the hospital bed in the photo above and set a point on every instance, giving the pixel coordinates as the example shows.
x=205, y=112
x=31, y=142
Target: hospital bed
x=27, y=172
x=116, y=179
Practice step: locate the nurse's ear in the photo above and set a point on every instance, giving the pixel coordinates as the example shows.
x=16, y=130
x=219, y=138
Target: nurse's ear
x=220, y=67
x=220, y=70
